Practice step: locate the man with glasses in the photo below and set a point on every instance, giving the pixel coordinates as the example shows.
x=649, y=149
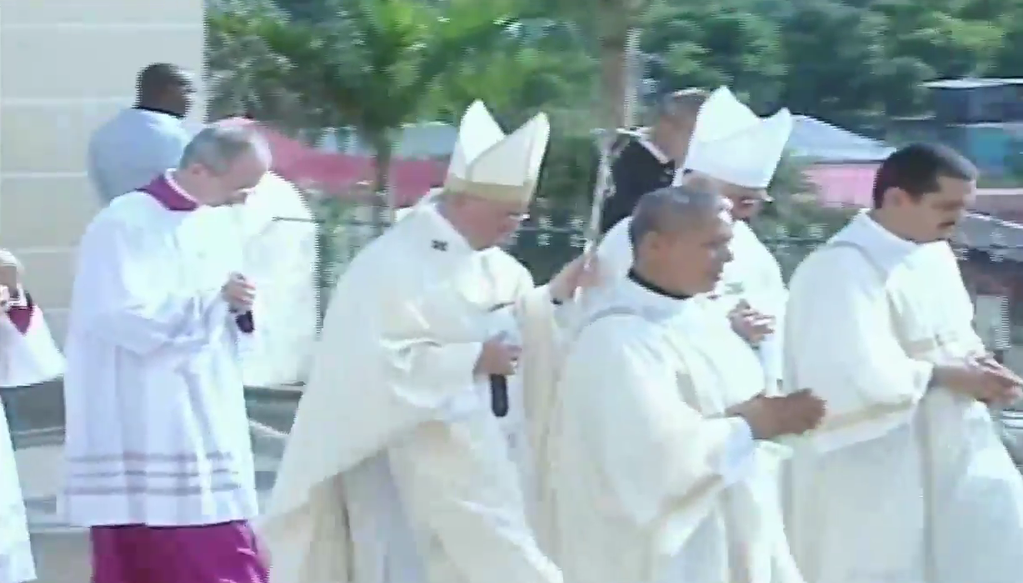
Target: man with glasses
x=396, y=469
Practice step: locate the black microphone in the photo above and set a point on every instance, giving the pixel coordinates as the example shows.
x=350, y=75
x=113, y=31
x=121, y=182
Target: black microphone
x=499, y=395
x=246, y=322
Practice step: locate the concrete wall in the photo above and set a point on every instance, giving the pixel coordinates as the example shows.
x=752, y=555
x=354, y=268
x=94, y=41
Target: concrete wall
x=65, y=67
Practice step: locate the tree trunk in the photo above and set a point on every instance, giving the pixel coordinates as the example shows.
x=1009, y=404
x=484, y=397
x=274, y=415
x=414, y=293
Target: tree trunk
x=612, y=81
x=384, y=204
x=619, y=45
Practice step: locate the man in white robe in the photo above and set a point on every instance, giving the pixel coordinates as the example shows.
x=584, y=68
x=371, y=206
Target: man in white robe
x=279, y=236
x=906, y=480
x=658, y=462
x=158, y=454
x=396, y=470
x=28, y=356
x=737, y=153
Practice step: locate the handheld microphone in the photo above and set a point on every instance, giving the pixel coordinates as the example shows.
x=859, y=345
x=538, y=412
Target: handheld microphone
x=499, y=395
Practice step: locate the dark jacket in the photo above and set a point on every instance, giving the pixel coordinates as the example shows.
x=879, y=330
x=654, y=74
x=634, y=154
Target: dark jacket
x=635, y=172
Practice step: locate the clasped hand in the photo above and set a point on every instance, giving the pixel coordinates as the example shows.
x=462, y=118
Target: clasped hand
x=991, y=382
x=750, y=324
x=770, y=417
x=498, y=357
x=238, y=293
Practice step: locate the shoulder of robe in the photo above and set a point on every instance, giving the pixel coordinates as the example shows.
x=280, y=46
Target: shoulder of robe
x=132, y=212
x=830, y=267
x=614, y=332
x=503, y=262
x=381, y=265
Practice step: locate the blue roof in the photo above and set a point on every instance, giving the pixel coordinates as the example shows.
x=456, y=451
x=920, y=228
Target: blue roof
x=823, y=142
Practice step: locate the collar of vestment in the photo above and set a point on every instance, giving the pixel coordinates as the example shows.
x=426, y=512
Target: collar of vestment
x=650, y=299
x=169, y=194
x=885, y=249
x=159, y=111
x=444, y=237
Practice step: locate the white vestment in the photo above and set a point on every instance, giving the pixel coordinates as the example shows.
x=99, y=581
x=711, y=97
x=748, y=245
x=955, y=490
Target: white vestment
x=157, y=431
x=27, y=357
x=752, y=275
x=647, y=480
x=396, y=469
x=279, y=235
x=902, y=483
x=503, y=322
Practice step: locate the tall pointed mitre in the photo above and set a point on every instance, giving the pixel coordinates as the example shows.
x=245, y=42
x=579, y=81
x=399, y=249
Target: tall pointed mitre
x=732, y=144
x=488, y=164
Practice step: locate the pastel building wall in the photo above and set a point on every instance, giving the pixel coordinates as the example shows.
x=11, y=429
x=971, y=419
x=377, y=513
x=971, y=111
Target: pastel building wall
x=65, y=67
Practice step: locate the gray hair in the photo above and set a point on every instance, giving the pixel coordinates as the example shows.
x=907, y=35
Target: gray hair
x=217, y=147
x=673, y=208
x=685, y=103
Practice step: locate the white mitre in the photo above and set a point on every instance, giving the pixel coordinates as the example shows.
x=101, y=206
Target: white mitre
x=488, y=164
x=734, y=145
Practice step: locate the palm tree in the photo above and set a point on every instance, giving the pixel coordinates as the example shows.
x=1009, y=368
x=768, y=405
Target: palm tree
x=373, y=66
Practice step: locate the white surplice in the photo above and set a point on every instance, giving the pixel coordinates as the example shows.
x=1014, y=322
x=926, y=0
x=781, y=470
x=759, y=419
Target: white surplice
x=902, y=483
x=646, y=478
x=396, y=470
x=28, y=356
x=157, y=431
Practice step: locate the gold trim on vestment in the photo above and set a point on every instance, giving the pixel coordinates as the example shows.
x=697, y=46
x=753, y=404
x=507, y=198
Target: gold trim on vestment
x=494, y=192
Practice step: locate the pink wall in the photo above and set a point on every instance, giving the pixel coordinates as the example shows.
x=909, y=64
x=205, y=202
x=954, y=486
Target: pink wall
x=843, y=184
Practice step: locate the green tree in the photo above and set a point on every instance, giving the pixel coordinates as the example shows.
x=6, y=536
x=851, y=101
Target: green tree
x=715, y=43
x=370, y=67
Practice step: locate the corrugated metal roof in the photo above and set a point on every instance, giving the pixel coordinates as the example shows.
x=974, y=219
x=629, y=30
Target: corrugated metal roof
x=972, y=82
x=824, y=142
x=1000, y=238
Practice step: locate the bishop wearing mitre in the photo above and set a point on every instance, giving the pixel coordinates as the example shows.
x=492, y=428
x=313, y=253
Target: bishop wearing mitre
x=396, y=469
x=658, y=463
x=907, y=478
x=512, y=418
x=736, y=153
x=28, y=356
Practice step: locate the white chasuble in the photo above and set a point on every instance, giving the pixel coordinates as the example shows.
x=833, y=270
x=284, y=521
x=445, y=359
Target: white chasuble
x=396, y=469
x=647, y=479
x=28, y=356
x=754, y=275
x=901, y=483
x=157, y=431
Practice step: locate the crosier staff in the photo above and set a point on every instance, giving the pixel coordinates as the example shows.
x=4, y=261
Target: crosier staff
x=604, y=185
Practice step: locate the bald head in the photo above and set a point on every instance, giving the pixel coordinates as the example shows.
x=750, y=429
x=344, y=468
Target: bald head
x=674, y=209
x=166, y=87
